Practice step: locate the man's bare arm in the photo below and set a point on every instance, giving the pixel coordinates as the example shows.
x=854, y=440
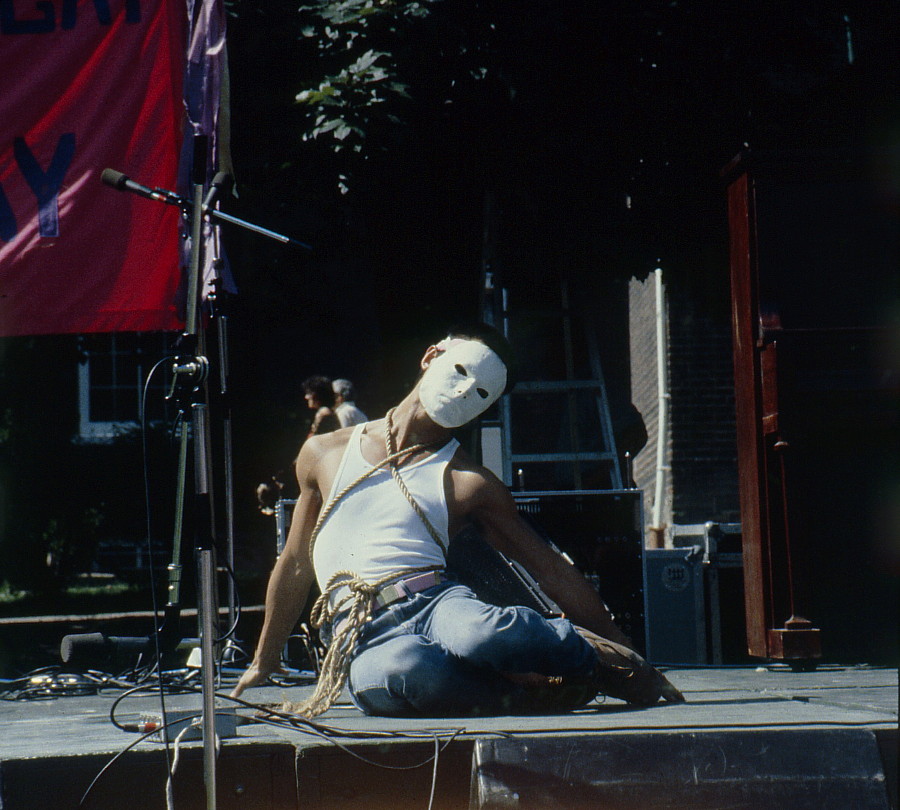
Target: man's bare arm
x=291, y=577
x=496, y=515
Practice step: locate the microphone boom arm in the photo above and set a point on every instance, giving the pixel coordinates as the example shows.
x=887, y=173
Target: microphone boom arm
x=122, y=182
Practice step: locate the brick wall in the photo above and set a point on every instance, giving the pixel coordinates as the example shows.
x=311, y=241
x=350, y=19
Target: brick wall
x=645, y=392
x=704, y=443
x=702, y=482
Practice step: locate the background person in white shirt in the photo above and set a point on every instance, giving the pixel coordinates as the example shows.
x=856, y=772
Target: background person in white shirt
x=344, y=403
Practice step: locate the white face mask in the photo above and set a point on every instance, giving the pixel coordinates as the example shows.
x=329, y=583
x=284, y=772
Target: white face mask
x=461, y=382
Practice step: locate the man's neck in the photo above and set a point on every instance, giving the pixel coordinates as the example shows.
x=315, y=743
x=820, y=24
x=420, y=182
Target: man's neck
x=411, y=425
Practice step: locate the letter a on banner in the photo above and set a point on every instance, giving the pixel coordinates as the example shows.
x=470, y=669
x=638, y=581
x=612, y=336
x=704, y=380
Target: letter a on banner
x=98, y=84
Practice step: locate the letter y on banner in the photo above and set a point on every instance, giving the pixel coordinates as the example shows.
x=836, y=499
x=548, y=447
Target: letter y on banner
x=94, y=84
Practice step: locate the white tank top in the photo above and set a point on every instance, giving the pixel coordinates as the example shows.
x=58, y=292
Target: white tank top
x=374, y=531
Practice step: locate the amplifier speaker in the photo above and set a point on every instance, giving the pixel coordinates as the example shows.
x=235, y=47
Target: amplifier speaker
x=694, y=597
x=675, y=607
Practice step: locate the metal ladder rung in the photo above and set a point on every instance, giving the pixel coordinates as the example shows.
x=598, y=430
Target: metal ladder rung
x=556, y=385
x=550, y=457
x=568, y=386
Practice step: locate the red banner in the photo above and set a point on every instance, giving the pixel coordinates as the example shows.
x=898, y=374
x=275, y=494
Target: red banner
x=90, y=84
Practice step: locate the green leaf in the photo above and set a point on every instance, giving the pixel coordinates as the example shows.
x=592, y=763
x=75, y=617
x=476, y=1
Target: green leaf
x=366, y=61
x=333, y=124
x=399, y=89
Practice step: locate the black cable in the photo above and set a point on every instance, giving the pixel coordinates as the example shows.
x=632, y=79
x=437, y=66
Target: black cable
x=174, y=686
x=148, y=509
x=450, y=735
x=8, y=686
x=237, y=603
x=109, y=764
x=51, y=682
x=162, y=728
x=117, y=701
x=63, y=684
x=320, y=729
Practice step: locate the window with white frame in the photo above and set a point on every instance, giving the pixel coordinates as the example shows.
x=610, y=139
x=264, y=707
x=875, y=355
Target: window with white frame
x=111, y=379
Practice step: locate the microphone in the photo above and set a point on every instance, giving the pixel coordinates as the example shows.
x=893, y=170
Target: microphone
x=220, y=185
x=122, y=182
x=94, y=648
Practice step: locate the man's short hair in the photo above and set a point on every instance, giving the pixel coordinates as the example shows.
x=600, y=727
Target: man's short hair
x=343, y=388
x=494, y=340
x=320, y=388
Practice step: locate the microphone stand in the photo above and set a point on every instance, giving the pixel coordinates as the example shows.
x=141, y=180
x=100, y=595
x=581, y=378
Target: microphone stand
x=190, y=390
x=206, y=606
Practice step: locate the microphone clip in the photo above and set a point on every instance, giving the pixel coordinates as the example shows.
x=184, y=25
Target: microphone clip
x=188, y=374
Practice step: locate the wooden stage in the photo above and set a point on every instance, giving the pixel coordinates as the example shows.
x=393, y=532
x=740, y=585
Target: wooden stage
x=748, y=737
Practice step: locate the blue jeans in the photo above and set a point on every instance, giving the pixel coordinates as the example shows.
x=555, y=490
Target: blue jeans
x=442, y=652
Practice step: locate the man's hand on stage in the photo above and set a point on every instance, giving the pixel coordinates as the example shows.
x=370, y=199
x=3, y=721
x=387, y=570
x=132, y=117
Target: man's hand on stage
x=255, y=675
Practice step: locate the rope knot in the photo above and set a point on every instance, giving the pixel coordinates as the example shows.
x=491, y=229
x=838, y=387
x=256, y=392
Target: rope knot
x=363, y=588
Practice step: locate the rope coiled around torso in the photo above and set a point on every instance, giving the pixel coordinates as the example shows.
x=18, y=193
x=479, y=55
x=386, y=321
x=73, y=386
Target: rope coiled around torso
x=361, y=594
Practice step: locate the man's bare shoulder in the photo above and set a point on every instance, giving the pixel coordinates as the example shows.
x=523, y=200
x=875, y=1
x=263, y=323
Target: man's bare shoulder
x=473, y=485
x=320, y=456
x=321, y=444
